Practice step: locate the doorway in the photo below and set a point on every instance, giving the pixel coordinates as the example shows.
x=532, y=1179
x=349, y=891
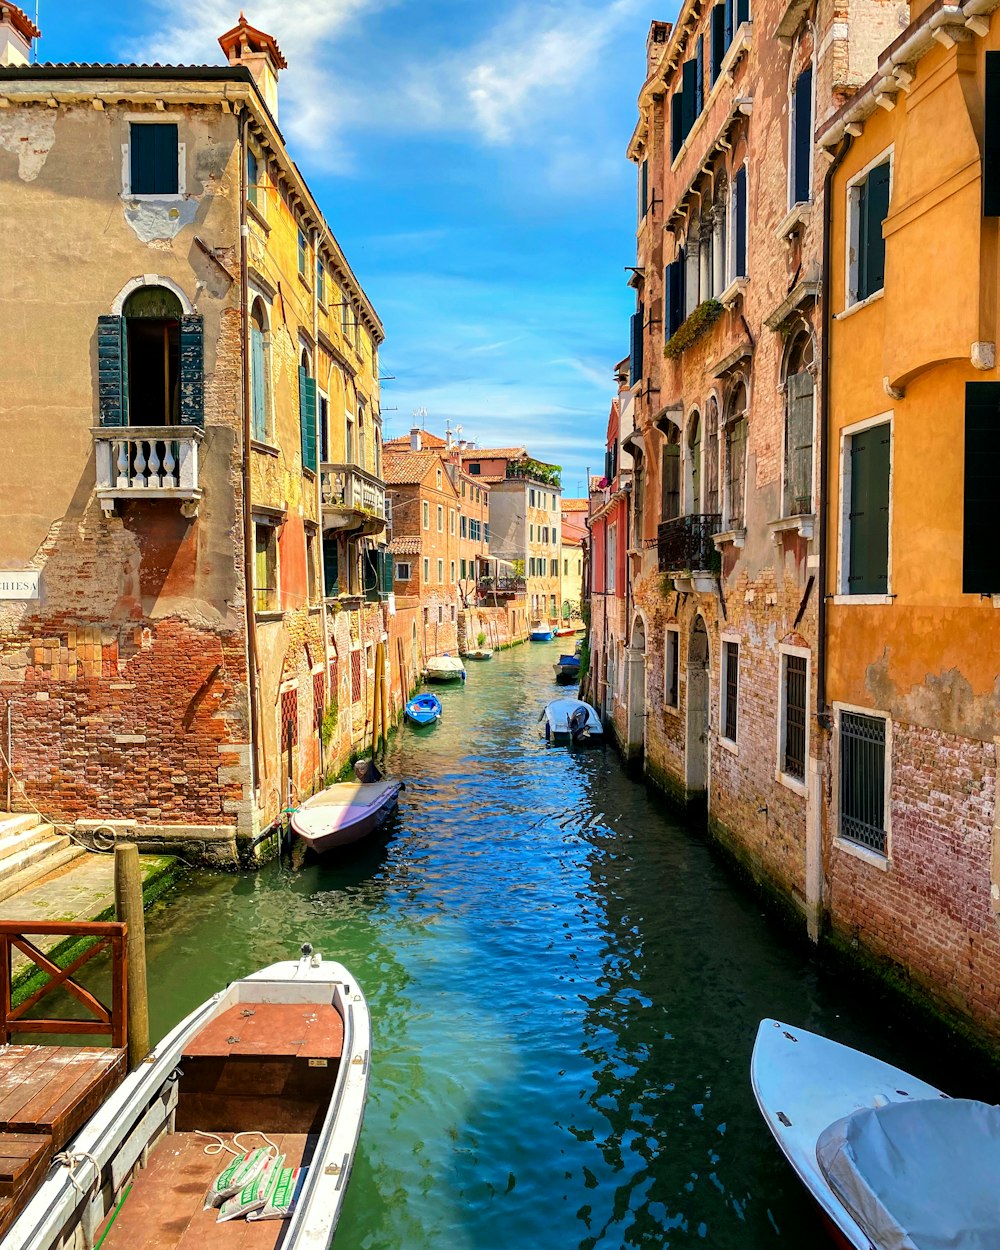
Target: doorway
x=697, y=710
x=636, y=740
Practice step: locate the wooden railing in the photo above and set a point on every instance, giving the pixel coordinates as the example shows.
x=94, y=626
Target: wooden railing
x=109, y=1020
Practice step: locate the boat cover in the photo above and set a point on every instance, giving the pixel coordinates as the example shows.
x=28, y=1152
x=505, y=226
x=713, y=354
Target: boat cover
x=918, y=1175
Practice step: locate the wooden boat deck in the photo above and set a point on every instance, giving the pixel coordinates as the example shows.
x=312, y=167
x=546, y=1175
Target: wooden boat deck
x=46, y=1094
x=163, y=1210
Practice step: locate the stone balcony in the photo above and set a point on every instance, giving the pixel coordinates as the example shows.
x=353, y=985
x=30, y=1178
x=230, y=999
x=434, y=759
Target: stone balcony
x=686, y=550
x=148, y=462
x=353, y=500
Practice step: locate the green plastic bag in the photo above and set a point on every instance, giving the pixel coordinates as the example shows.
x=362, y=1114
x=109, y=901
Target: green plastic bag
x=236, y=1176
x=253, y=1196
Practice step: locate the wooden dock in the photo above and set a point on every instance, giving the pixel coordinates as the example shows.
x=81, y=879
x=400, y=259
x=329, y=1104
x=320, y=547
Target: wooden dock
x=48, y=1092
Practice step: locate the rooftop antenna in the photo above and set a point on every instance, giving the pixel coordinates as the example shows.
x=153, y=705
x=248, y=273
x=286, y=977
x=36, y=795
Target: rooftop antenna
x=420, y=412
x=34, y=42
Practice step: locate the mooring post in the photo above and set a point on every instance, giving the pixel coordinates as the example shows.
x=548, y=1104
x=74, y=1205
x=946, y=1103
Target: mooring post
x=128, y=907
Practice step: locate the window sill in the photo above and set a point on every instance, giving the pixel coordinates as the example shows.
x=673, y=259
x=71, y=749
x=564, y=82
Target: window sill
x=266, y=449
x=794, y=220
x=309, y=473
x=795, y=784
x=863, y=600
x=729, y=745
x=258, y=216
x=740, y=45
x=673, y=709
x=858, y=305
x=872, y=858
x=162, y=197
x=734, y=289
x=736, y=537
x=804, y=523
x=270, y=614
x=305, y=282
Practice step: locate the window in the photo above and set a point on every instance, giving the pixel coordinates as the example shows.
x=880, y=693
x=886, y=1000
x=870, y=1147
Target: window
x=427, y=569
x=612, y=556
x=699, y=76
x=991, y=137
x=684, y=106
x=356, y=675
x=452, y=570
x=635, y=345
x=253, y=178
x=531, y=533
x=323, y=417
x=531, y=499
x=289, y=719
x=867, y=466
x=736, y=458
x=464, y=567
x=331, y=568
x=437, y=478
x=451, y=520
x=980, y=562
x=800, y=140
x=153, y=328
x=312, y=582
x=402, y=570
x=486, y=533
x=349, y=438
x=694, y=464
x=643, y=188
x=475, y=469
x=154, y=159
x=440, y=572
x=673, y=295
x=730, y=690
x=426, y=514
x=265, y=567
x=868, y=205
x=463, y=527
x=320, y=281
x=862, y=752
x=798, y=427
x=738, y=227
x=303, y=253
x=711, y=457
x=718, y=41
x=440, y=511
x=319, y=701
x=475, y=529
x=671, y=667
x=307, y=414
x=345, y=315
x=670, y=476
x=792, y=727
x=553, y=568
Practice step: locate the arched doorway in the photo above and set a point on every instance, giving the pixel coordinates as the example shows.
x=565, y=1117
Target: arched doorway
x=636, y=740
x=697, y=709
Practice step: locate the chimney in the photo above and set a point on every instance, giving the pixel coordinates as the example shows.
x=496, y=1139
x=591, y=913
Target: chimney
x=656, y=44
x=16, y=34
x=415, y=438
x=245, y=45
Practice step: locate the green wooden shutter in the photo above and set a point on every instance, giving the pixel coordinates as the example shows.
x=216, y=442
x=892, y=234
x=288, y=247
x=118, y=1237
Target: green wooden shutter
x=153, y=158
x=192, y=368
x=873, y=206
x=676, y=123
x=112, y=371
x=868, y=571
x=671, y=481
x=257, y=385
x=742, y=12
x=635, y=345
x=385, y=557
x=718, y=41
x=689, y=77
x=980, y=558
x=644, y=188
x=991, y=137
x=307, y=419
x=696, y=468
x=740, y=223
x=331, y=567
x=699, y=82
x=798, y=445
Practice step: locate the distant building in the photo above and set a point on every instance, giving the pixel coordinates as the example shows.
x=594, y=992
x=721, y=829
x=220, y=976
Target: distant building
x=573, y=514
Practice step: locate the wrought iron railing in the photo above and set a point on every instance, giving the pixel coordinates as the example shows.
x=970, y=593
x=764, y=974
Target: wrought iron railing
x=685, y=544
x=501, y=586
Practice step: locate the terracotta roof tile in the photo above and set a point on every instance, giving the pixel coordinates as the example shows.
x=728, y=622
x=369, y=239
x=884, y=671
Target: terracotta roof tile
x=405, y=546
x=21, y=22
x=402, y=441
x=575, y=505
x=406, y=468
x=494, y=453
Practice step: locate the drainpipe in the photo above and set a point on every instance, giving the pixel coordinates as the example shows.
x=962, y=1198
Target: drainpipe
x=822, y=711
x=248, y=535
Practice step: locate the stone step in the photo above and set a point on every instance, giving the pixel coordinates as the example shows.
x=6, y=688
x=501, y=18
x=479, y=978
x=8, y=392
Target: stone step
x=16, y=842
x=58, y=852
x=18, y=822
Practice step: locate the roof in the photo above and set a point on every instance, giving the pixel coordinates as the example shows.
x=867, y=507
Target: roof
x=56, y=70
x=494, y=453
x=427, y=440
x=21, y=22
x=575, y=505
x=406, y=468
x=256, y=41
x=405, y=546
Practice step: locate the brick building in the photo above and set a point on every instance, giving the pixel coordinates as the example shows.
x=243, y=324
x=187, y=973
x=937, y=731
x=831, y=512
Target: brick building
x=723, y=371
x=573, y=518
x=175, y=475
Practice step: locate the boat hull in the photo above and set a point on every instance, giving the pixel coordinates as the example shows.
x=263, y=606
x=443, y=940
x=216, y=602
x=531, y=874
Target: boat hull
x=567, y=675
x=342, y=815
x=478, y=655
x=424, y=709
x=558, y=727
x=541, y=635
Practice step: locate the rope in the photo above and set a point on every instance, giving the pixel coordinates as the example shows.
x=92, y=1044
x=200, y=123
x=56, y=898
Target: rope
x=219, y=1144
x=69, y=1159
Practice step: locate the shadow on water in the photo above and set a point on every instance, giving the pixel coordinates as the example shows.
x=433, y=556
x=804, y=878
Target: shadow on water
x=565, y=989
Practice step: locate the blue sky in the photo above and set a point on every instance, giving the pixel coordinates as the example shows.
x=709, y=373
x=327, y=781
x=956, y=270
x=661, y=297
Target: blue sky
x=471, y=160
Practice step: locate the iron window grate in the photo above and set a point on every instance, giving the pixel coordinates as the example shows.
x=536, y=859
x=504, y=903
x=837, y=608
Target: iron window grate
x=862, y=780
x=794, y=763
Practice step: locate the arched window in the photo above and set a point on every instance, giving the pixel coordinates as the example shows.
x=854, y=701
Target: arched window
x=307, y=412
x=152, y=376
x=736, y=457
x=259, y=371
x=670, y=476
x=711, y=456
x=694, y=463
x=798, y=425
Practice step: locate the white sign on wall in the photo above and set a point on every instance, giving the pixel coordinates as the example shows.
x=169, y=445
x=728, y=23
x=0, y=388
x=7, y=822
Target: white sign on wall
x=19, y=583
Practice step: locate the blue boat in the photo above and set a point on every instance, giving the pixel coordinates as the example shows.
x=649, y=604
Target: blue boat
x=567, y=670
x=540, y=632
x=423, y=709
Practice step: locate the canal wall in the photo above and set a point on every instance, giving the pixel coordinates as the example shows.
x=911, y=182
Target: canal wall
x=503, y=626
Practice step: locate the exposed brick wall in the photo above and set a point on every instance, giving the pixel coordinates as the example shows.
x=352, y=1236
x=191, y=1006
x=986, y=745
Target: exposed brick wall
x=931, y=909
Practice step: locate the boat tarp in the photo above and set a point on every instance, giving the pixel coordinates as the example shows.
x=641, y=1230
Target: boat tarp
x=918, y=1175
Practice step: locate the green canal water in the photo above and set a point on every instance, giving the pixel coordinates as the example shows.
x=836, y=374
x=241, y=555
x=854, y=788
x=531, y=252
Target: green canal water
x=564, y=985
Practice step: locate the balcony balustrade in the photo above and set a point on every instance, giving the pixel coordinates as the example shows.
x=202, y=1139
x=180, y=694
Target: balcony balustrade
x=352, y=499
x=501, y=587
x=148, y=462
x=685, y=544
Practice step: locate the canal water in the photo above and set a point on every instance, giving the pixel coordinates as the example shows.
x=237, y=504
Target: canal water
x=565, y=986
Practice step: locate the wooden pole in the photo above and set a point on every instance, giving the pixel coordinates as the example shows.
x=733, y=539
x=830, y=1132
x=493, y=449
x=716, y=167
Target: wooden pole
x=128, y=907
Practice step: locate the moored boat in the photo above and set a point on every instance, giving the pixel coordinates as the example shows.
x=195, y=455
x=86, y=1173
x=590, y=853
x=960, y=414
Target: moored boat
x=567, y=669
x=564, y=631
x=571, y=720
x=277, y=1063
x=345, y=812
x=540, y=632
x=482, y=653
x=444, y=668
x=423, y=709
x=893, y=1163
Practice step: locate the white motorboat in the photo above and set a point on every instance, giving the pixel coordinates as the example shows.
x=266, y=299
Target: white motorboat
x=280, y=1060
x=345, y=812
x=444, y=668
x=571, y=719
x=894, y=1163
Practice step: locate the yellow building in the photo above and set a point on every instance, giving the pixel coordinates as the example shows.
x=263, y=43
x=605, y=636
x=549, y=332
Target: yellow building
x=911, y=571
